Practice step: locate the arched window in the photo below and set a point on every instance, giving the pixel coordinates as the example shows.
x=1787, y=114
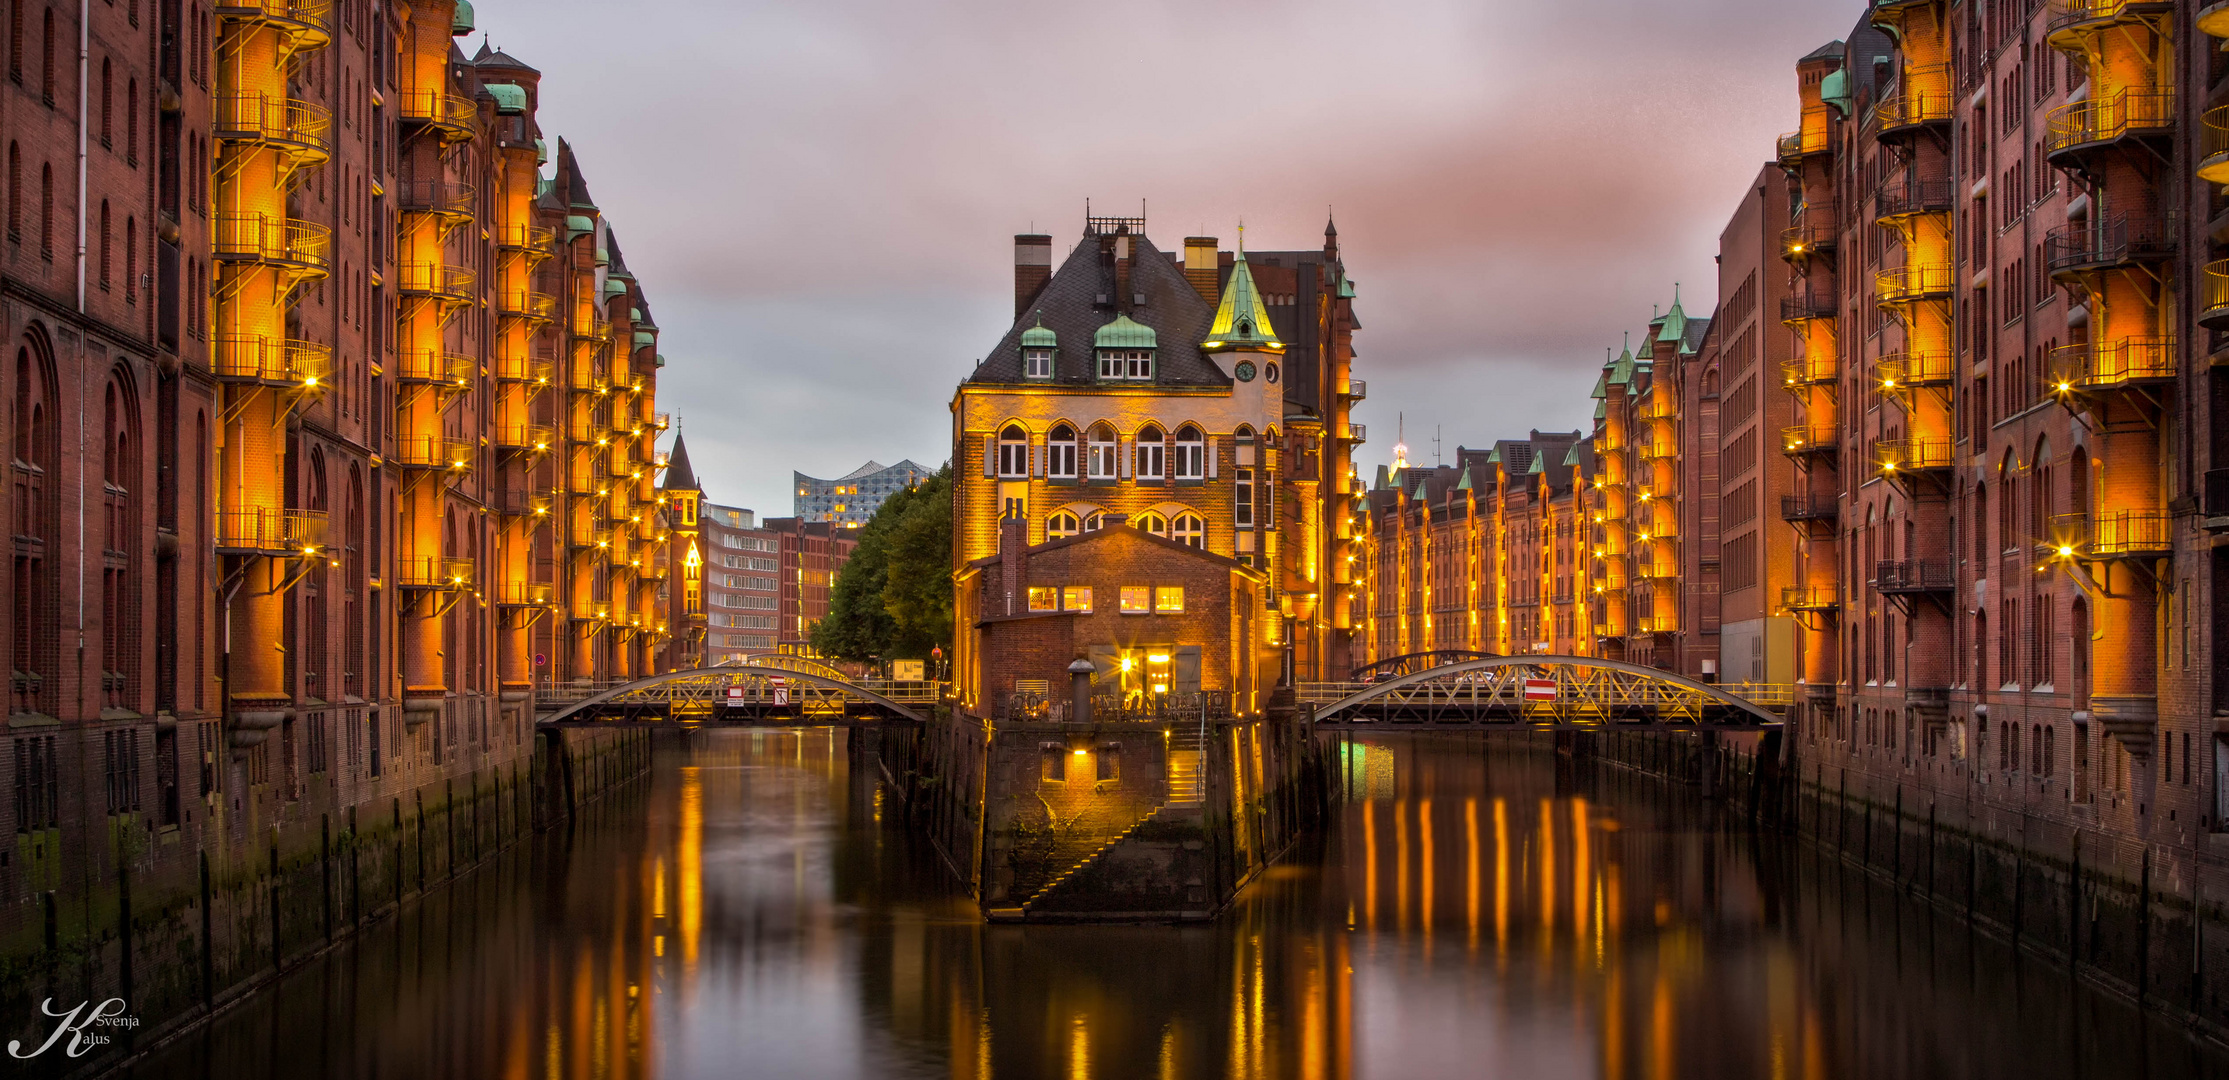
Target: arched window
x=131, y=123
x=15, y=190
x=1094, y=521
x=353, y=556
x=108, y=103
x=131, y=260
x=1153, y=449
x=1102, y=451
x=1013, y=452
x=1190, y=531
x=46, y=58
x=2043, y=496
x=1152, y=523
x=1191, y=453
x=316, y=594
x=1061, y=525
x=1060, y=452
x=37, y=604
x=46, y=211
x=105, y=245
x=1980, y=524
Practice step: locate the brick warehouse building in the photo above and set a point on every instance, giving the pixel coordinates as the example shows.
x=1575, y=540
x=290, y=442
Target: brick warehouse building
x=352, y=401
x=1995, y=305
x=1204, y=397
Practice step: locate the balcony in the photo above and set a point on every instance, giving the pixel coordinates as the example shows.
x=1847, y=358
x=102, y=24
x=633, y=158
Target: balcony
x=1804, y=306
x=454, y=371
x=1357, y=389
x=525, y=594
x=1897, y=372
x=1912, y=284
x=1814, y=233
x=271, y=361
x=1914, y=576
x=433, y=452
x=2213, y=304
x=1807, y=440
x=1805, y=371
x=2077, y=19
x=1914, y=105
x=520, y=502
x=2126, y=240
x=297, y=248
x=2112, y=365
x=452, y=202
x=302, y=24
x=428, y=572
x=584, y=377
x=1357, y=433
x=270, y=531
x=1809, y=508
x=593, y=612
x=589, y=483
x=1807, y=598
x=533, y=239
x=451, y=117
x=298, y=129
x=661, y=421
x=2082, y=127
x=525, y=438
x=1907, y=456
x=1898, y=200
x=2213, y=19
x=1655, y=624
x=587, y=429
x=524, y=369
x=2116, y=534
x=1808, y=139
x=525, y=304
x=440, y=281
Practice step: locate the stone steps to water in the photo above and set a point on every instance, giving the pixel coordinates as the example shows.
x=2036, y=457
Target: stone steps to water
x=1086, y=862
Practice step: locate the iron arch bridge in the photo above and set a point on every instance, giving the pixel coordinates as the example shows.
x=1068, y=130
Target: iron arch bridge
x=1547, y=693
x=751, y=694
x=1395, y=666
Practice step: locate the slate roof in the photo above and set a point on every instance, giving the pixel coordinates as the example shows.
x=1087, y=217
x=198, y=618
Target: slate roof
x=576, y=192
x=1830, y=51
x=1180, y=318
x=679, y=476
x=497, y=58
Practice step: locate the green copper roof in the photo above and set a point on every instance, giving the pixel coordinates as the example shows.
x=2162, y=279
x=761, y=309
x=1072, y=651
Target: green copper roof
x=1834, y=90
x=1037, y=337
x=1242, y=319
x=1495, y=457
x=1601, y=410
x=461, y=24
x=1601, y=386
x=509, y=97
x=577, y=224
x=661, y=359
x=1464, y=484
x=542, y=157
x=1572, y=458
x=645, y=337
x=1675, y=321
x=1536, y=469
x=1346, y=287
x=1123, y=333
x=614, y=287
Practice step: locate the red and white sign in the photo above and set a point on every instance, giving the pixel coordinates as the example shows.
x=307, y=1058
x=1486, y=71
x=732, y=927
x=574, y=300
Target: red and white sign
x=781, y=689
x=1540, y=689
x=735, y=693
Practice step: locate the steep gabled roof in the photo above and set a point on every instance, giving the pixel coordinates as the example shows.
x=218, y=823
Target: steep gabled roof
x=576, y=191
x=1241, y=319
x=1070, y=307
x=489, y=57
x=679, y=476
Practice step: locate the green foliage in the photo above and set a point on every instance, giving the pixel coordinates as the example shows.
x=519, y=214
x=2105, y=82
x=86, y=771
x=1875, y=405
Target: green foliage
x=893, y=598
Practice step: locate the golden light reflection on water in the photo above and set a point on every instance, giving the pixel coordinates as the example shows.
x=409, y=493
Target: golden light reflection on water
x=805, y=939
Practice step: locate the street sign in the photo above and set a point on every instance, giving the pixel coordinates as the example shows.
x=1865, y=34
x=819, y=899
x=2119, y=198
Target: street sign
x=906, y=670
x=781, y=689
x=1540, y=689
x=540, y=660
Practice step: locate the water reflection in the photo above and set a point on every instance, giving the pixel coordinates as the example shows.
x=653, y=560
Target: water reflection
x=753, y=911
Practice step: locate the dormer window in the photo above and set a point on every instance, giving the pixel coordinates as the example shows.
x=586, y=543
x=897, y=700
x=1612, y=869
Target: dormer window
x=1037, y=363
x=1126, y=364
x=1125, y=350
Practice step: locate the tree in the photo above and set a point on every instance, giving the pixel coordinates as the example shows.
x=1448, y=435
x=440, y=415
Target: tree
x=893, y=598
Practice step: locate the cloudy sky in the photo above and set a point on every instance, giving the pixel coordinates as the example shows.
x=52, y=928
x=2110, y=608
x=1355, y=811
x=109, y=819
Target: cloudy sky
x=820, y=197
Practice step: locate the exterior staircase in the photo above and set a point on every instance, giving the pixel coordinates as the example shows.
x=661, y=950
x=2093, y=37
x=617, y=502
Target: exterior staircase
x=1085, y=863
x=1187, y=786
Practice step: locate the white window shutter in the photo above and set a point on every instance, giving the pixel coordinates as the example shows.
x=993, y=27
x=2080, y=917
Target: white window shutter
x=1209, y=451
x=990, y=456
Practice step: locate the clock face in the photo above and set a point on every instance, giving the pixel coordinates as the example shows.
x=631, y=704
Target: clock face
x=1270, y=373
x=1246, y=371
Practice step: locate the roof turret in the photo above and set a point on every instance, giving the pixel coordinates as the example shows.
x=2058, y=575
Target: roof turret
x=1242, y=319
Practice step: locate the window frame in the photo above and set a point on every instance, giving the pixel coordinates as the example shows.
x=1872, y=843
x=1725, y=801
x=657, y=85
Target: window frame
x=1061, y=454
x=1037, y=363
x=1136, y=600
x=1195, y=536
x=1013, y=454
x=1153, y=453
x=1104, y=457
x=1191, y=454
x=1069, y=594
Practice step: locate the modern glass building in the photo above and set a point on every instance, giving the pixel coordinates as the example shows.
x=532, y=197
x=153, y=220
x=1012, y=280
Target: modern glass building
x=849, y=500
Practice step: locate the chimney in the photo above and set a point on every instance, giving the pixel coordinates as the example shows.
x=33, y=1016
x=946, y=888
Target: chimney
x=1200, y=267
x=1125, y=249
x=1013, y=561
x=1033, y=265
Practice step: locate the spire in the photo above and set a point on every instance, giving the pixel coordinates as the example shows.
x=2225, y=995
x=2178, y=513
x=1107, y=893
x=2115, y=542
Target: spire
x=1401, y=441
x=1242, y=319
x=679, y=476
x=1675, y=320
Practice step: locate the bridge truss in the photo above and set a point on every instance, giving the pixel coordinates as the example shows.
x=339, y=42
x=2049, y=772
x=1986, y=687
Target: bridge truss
x=1548, y=693
x=783, y=696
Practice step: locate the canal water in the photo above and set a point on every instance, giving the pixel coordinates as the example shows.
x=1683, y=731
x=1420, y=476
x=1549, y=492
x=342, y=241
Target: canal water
x=754, y=909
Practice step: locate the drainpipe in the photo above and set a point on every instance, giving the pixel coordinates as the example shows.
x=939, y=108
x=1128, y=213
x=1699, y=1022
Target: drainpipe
x=84, y=100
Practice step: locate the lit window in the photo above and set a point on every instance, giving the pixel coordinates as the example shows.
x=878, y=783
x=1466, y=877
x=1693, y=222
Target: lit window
x=1191, y=454
x=1060, y=449
x=1152, y=523
x=1013, y=453
x=1094, y=522
x=1190, y=530
x=1102, y=452
x=1152, y=452
x=1039, y=363
x=1076, y=598
x=1242, y=500
x=1169, y=599
x=1044, y=598
x=1060, y=526
x=1134, y=599
x=1140, y=364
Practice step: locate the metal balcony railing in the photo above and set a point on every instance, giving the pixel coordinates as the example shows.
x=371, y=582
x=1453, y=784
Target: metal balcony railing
x=1905, y=198
x=2213, y=309
x=1813, y=232
x=433, y=366
x=1357, y=389
x=1805, y=371
x=270, y=361
x=1805, y=305
x=531, y=438
x=1914, y=576
x=1910, y=284
x=431, y=572
x=526, y=304
x=525, y=593
x=1807, y=598
x=1809, y=138
x=593, y=612
x=1808, y=508
x=298, y=128
x=438, y=280
x=433, y=452
x=1914, y=103
x=2123, y=240
x=1907, y=370
x=2105, y=365
x=2117, y=534
x=523, y=369
x=520, y=502
x=1804, y=439
x=536, y=238
x=661, y=421
x=303, y=248
x=2132, y=112
x=307, y=23
x=270, y=531
x=453, y=116
x=2077, y=15
x=441, y=198
x=1358, y=433
x=1913, y=455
